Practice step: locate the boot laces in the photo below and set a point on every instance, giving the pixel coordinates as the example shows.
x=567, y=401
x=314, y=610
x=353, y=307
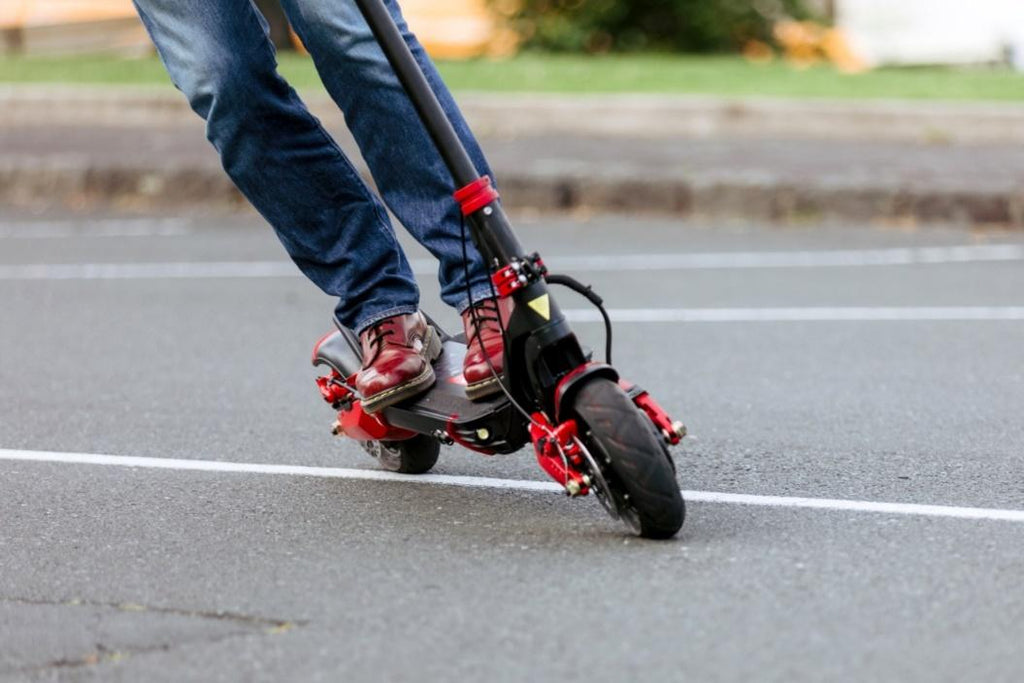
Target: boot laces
x=377, y=340
x=486, y=312
x=377, y=335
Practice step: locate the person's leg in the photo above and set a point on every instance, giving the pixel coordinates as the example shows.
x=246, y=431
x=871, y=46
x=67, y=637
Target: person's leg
x=334, y=228
x=405, y=164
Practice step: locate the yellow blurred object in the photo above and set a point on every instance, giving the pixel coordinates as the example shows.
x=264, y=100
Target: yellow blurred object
x=297, y=42
x=800, y=41
x=838, y=50
x=448, y=29
x=456, y=29
x=459, y=29
x=805, y=43
x=758, y=52
x=28, y=13
x=69, y=26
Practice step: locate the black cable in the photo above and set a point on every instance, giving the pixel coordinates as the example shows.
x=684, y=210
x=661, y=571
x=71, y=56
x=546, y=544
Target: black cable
x=476, y=323
x=590, y=295
x=504, y=336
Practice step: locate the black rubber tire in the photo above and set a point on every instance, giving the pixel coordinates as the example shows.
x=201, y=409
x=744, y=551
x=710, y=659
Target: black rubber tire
x=614, y=428
x=410, y=456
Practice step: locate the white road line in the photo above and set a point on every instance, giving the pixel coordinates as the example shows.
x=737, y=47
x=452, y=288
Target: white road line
x=34, y=230
x=802, y=314
x=792, y=259
x=284, y=269
x=988, y=514
x=595, y=263
x=150, y=271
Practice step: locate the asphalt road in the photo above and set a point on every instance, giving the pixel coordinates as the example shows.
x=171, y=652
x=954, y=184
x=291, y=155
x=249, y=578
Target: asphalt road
x=851, y=364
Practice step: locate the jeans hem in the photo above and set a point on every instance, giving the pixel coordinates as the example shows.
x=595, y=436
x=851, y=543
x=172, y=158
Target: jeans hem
x=477, y=294
x=362, y=325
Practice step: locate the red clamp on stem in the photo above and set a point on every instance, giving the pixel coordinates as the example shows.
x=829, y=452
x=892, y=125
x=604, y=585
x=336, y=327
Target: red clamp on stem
x=506, y=280
x=476, y=195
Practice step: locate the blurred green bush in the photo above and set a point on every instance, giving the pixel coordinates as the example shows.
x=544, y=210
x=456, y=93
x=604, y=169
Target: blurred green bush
x=647, y=25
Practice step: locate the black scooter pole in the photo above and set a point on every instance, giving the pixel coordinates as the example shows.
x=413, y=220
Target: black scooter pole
x=409, y=73
x=492, y=226
x=543, y=348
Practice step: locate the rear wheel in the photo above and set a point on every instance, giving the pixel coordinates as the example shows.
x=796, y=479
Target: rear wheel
x=409, y=456
x=638, y=471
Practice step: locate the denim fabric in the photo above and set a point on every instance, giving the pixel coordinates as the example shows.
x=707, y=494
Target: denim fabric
x=333, y=226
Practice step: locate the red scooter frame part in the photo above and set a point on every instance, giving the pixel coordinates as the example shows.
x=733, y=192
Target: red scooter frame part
x=671, y=430
x=476, y=195
x=353, y=421
x=558, y=453
x=556, y=447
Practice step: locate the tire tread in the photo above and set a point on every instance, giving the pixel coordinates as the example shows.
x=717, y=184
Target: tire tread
x=637, y=459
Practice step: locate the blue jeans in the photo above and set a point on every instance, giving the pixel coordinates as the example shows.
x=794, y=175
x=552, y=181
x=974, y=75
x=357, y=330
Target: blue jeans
x=333, y=226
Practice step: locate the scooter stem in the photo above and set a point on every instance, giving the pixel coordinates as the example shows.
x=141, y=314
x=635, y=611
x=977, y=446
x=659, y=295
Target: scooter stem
x=541, y=347
x=422, y=95
x=490, y=227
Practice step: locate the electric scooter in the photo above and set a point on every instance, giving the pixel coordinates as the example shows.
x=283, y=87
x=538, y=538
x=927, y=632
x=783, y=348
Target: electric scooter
x=590, y=430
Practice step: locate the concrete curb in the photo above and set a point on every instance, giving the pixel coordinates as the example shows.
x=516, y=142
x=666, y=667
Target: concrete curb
x=79, y=179
x=82, y=187
x=649, y=116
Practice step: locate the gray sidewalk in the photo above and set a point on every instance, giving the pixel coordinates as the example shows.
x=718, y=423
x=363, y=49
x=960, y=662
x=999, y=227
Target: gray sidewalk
x=804, y=161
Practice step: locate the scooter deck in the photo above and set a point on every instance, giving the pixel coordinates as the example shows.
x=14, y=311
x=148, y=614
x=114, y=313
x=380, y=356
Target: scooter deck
x=490, y=425
x=486, y=424
x=447, y=398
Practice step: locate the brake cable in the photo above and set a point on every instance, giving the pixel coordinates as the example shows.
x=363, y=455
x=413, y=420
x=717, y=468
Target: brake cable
x=587, y=292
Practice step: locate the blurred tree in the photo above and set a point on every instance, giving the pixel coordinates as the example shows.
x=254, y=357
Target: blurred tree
x=280, y=29
x=632, y=25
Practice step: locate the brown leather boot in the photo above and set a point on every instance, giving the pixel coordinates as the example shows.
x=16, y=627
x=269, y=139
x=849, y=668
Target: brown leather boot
x=483, y=343
x=397, y=353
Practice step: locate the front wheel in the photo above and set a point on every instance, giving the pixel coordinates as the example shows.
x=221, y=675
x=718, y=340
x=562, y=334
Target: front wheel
x=638, y=471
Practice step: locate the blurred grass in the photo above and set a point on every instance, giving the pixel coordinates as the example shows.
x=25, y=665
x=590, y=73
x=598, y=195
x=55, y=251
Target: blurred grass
x=673, y=74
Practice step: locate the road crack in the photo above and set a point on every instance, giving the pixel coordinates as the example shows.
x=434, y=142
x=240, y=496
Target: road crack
x=257, y=625
x=271, y=623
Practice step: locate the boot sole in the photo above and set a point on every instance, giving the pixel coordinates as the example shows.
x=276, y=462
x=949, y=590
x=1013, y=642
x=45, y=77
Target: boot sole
x=484, y=388
x=413, y=387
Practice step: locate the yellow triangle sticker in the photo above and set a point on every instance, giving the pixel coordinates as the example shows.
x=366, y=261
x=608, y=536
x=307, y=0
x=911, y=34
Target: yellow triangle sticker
x=542, y=305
